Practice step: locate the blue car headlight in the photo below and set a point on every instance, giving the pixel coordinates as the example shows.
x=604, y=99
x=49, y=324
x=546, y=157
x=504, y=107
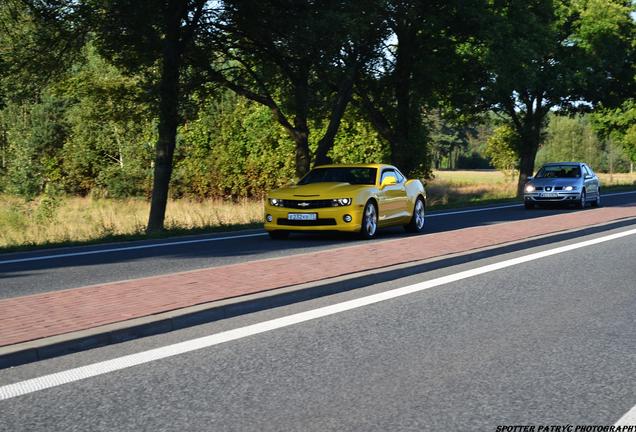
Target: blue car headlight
x=569, y=188
x=530, y=188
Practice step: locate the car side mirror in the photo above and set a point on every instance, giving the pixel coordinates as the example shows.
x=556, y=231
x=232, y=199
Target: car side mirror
x=529, y=178
x=588, y=177
x=388, y=181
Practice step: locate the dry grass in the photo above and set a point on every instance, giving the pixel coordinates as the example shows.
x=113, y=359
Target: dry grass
x=63, y=220
x=454, y=188
x=620, y=179
x=50, y=220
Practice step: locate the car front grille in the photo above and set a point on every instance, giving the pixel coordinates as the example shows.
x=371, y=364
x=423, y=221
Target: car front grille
x=307, y=204
x=317, y=222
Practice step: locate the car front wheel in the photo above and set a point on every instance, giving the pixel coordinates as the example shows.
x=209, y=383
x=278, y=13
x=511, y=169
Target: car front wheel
x=416, y=225
x=369, y=221
x=583, y=200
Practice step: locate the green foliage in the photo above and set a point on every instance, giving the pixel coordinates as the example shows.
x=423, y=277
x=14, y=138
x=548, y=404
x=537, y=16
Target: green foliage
x=574, y=139
x=234, y=149
x=501, y=149
x=358, y=142
x=111, y=139
x=35, y=134
x=619, y=126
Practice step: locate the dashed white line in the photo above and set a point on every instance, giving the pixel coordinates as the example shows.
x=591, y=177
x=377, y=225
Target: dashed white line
x=213, y=239
x=80, y=373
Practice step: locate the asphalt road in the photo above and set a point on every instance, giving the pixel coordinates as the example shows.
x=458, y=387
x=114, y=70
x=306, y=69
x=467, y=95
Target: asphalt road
x=32, y=277
x=546, y=342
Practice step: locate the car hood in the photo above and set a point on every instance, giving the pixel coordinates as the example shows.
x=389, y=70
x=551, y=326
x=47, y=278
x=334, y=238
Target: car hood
x=318, y=191
x=555, y=182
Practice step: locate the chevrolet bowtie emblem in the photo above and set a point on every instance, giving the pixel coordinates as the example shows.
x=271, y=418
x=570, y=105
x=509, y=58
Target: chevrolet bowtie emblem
x=303, y=204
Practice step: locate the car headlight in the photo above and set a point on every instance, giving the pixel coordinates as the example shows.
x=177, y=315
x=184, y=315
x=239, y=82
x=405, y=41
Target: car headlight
x=569, y=188
x=530, y=188
x=276, y=202
x=340, y=202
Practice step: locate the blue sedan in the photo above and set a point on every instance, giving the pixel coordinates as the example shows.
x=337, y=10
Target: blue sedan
x=563, y=183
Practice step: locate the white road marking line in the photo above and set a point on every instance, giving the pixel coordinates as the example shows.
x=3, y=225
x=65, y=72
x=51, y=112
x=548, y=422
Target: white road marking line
x=629, y=419
x=83, y=372
x=127, y=248
x=205, y=240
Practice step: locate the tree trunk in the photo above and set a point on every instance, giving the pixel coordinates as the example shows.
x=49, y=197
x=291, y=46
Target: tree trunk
x=303, y=155
x=345, y=91
x=528, y=152
x=168, y=119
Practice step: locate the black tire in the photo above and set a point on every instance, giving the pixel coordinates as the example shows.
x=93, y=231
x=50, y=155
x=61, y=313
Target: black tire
x=597, y=201
x=278, y=235
x=369, y=226
x=416, y=225
x=528, y=205
x=583, y=201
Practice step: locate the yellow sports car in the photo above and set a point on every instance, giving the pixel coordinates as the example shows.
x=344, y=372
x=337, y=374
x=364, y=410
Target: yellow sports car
x=354, y=198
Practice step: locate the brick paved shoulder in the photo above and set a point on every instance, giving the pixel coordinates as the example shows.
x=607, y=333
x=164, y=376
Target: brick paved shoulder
x=42, y=315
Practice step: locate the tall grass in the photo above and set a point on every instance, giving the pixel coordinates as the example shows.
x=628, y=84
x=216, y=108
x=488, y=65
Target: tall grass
x=81, y=219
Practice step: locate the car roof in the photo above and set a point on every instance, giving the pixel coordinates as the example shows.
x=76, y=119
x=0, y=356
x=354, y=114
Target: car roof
x=373, y=165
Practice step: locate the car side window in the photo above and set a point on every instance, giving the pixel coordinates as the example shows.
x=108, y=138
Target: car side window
x=400, y=177
x=387, y=173
x=588, y=170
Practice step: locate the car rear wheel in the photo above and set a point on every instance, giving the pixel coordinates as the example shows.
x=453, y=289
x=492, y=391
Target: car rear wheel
x=278, y=235
x=597, y=201
x=583, y=200
x=369, y=221
x=416, y=225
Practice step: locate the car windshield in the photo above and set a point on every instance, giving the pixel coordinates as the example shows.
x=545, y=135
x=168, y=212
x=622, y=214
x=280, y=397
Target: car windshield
x=559, y=171
x=351, y=175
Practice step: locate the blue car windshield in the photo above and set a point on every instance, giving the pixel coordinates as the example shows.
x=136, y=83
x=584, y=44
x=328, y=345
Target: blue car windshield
x=559, y=171
x=351, y=175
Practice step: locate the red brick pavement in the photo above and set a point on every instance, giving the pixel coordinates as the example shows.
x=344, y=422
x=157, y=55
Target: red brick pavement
x=42, y=315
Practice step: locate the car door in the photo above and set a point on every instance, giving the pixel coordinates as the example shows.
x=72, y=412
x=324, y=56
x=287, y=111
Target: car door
x=590, y=181
x=391, y=197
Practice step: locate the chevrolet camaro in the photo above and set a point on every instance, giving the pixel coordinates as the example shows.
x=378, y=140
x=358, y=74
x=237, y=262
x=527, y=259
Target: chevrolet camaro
x=353, y=198
x=563, y=183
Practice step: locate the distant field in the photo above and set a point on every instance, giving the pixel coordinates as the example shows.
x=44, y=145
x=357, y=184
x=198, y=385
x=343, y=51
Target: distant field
x=63, y=220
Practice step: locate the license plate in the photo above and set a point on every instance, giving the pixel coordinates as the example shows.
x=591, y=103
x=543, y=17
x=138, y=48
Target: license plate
x=302, y=216
x=549, y=195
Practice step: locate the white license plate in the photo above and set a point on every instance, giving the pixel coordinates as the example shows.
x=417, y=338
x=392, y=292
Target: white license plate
x=549, y=195
x=302, y=216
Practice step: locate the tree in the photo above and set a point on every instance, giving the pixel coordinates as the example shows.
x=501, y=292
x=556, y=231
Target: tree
x=564, y=56
x=301, y=64
x=500, y=148
x=159, y=39
x=618, y=125
x=428, y=63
